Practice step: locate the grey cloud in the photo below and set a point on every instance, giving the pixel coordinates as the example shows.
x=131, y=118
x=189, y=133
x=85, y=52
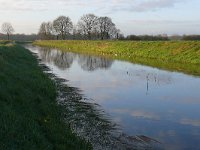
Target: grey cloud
x=154, y=4
x=191, y=122
x=145, y=115
x=106, y=5
x=138, y=114
x=148, y=5
x=22, y=5
x=180, y=22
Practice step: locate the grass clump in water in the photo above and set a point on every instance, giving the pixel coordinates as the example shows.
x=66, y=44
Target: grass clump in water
x=30, y=117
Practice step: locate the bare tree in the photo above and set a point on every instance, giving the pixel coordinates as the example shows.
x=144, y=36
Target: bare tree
x=7, y=29
x=63, y=25
x=105, y=26
x=115, y=33
x=87, y=25
x=46, y=31
x=42, y=30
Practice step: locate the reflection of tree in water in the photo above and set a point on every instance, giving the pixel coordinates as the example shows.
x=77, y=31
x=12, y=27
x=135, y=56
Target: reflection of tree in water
x=46, y=55
x=60, y=59
x=63, y=60
x=90, y=63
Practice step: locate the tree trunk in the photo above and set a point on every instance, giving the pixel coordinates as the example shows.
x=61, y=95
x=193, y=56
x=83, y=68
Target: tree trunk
x=62, y=35
x=107, y=35
x=8, y=36
x=102, y=36
x=117, y=36
x=89, y=35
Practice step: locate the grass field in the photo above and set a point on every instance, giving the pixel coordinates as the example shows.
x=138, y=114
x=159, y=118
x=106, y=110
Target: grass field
x=181, y=56
x=29, y=115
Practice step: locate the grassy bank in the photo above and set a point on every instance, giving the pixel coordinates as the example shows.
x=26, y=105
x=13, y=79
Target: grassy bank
x=171, y=55
x=29, y=115
x=3, y=42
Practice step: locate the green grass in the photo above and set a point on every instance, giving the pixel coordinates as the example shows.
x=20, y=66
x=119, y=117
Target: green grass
x=171, y=55
x=23, y=42
x=30, y=117
x=2, y=42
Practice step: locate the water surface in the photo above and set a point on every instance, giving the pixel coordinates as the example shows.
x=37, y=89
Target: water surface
x=142, y=100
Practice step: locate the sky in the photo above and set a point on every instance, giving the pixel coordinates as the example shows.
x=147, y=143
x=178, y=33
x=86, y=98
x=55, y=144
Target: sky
x=130, y=16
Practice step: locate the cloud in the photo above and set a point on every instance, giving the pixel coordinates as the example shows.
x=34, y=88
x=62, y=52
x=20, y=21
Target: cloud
x=154, y=4
x=191, y=122
x=105, y=5
x=164, y=22
x=138, y=114
x=145, y=115
x=144, y=5
x=23, y=5
x=155, y=116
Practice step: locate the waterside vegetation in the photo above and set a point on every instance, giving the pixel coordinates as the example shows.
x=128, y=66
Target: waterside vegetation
x=181, y=56
x=30, y=117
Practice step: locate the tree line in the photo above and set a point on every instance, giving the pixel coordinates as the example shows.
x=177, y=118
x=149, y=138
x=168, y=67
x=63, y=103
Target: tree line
x=88, y=27
x=160, y=37
x=147, y=37
x=191, y=37
x=8, y=30
x=20, y=37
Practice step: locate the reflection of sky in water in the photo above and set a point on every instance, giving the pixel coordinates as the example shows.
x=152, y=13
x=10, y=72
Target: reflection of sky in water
x=143, y=100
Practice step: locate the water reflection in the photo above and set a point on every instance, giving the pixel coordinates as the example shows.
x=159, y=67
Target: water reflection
x=64, y=60
x=90, y=63
x=60, y=59
x=90, y=122
x=190, y=122
x=142, y=100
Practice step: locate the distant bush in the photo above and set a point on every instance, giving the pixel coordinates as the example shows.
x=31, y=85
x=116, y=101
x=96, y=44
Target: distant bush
x=147, y=38
x=191, y=37
x=20, y=37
